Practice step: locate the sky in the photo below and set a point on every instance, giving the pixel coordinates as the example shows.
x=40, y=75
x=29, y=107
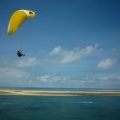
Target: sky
x=68, y=44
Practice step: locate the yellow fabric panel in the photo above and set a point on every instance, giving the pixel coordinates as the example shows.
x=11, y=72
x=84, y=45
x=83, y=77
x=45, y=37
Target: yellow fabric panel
x=17, y=19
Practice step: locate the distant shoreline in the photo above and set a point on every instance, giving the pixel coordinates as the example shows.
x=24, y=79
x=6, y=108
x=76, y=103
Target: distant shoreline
x=58, y=93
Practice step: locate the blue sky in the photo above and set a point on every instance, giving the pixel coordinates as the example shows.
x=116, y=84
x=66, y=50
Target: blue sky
x=69, y=43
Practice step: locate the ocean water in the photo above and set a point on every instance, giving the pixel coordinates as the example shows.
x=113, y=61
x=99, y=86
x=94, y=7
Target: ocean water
x=59, y=107
x=59, y=89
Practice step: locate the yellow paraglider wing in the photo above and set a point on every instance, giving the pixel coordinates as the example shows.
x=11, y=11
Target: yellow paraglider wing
x=17, y=18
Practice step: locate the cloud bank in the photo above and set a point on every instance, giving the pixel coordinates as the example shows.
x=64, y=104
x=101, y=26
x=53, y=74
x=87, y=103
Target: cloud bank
x=67, y=56
x=13, y=73
x=58, y=55
x=106, y=64
x=51, y=78
x=36, y=71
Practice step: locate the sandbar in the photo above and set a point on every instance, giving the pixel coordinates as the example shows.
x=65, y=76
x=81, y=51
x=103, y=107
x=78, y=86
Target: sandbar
x=58, y=93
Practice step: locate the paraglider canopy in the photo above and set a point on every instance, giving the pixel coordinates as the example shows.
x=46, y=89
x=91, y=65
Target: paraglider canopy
x=17, y=19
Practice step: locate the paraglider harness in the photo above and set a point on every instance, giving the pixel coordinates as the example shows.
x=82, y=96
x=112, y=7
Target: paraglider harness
x=19, y=53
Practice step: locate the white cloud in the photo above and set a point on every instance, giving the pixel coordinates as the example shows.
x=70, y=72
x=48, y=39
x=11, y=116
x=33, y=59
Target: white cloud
x=44, y=78
x=106, y=64
x=66, y=56
x=12, y=73
x=51, y=78
x=56, y=50
x=28, y=62
x=79, y=81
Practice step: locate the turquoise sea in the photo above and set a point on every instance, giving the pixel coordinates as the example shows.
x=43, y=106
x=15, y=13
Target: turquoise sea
x=59, y=107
